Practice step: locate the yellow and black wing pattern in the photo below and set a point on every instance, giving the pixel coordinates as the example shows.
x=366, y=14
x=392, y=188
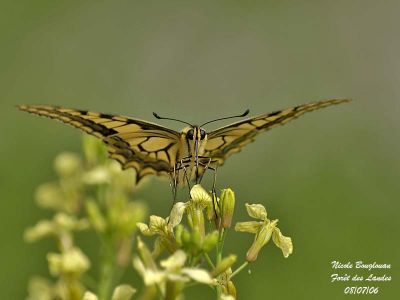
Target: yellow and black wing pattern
x=230, y=139
x=147, y=147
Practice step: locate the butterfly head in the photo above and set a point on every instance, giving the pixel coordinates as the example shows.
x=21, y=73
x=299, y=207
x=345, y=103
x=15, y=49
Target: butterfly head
x=196, y=139
x=195, y=133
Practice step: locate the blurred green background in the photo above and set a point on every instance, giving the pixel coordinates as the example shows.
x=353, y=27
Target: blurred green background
x=332, y=177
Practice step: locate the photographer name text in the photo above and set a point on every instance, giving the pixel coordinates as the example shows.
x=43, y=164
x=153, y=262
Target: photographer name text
x=352, y=272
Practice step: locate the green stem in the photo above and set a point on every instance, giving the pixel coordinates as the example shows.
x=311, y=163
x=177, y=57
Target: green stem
x=220, y=246
x=108, y=254
x=238, y=270
x=224, y=232
x=74, y=288
x=209, y=261
x=107, y=270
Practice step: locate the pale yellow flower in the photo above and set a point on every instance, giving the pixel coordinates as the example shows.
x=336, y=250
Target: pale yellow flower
x=67, y=164
x=263, y=230
x=90, y=296
x=97, y=175
x=173, y=269
x=71, y=262
x=164, y=228
x=200, y=197
x=61, y=224
x=121, y=292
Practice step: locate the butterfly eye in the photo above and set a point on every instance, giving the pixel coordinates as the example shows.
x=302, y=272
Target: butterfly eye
x=189, y=134
x=202, y=134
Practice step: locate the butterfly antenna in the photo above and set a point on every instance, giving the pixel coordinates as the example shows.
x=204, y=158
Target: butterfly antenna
x=172, y=119
x=246, y=112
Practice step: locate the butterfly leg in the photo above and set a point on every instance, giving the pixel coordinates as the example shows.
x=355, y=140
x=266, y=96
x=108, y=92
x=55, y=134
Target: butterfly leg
x=213, y=190
x=196, y=158
x=214, y=194
x=186, y=175
x=174, y=175
x=182, y=165
x=206, y=166
x=174, y=184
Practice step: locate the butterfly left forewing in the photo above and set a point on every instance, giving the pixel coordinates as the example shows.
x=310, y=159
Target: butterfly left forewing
x=230, y=139
x=147, y=147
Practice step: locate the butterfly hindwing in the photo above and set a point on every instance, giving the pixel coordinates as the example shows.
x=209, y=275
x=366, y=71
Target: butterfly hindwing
x=230, y=139
x=147, y=147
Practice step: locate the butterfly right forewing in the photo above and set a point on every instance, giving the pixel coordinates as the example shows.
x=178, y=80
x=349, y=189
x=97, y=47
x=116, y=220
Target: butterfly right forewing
x=230, y=139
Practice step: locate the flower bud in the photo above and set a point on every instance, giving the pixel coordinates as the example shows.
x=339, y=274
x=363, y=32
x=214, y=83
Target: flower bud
x=90, y=296
x=231, y=289
x=212, y=209
x=262, y=238
x=123, y=292
x=196, y=239
x=65, y=222
x=210, y=241
x=185, y=237
x=67, y=164
x=197, y=221
x=71, y=262
x=191, y=241
x=178, y=234
x=224, y=265
x=49, y=195
x=227, y=207
x=97, y=175
x=42, y=229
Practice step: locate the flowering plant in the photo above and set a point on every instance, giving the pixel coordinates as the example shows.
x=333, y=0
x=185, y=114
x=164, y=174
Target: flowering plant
x=93, y=194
